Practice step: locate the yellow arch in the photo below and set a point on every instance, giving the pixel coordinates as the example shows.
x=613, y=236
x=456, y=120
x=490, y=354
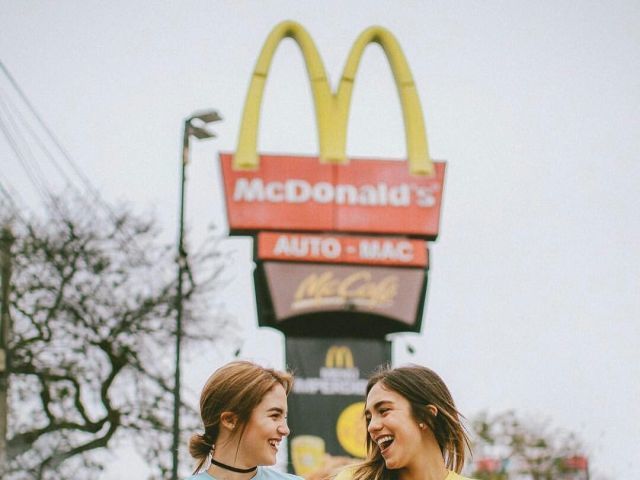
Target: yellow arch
x=332, y=110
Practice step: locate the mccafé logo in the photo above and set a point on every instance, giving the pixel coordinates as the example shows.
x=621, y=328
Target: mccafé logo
x=358, y=288
x=301, y=191
x=338, y=357
x=332, y=109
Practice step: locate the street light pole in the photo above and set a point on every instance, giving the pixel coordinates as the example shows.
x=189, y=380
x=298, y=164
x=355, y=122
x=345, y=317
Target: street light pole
x=199, y=131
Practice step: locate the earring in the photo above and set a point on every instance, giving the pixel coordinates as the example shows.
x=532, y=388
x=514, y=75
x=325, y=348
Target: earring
x=421, y=425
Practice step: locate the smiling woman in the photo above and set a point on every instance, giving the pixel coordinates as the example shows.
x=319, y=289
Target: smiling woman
x=414, y=429
x=244, y=411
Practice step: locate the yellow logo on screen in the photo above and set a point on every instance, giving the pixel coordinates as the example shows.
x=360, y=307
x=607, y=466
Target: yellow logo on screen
x=339, y=357
x=351, y=430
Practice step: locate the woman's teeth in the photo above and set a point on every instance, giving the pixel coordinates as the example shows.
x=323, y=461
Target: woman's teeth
x=384, y=442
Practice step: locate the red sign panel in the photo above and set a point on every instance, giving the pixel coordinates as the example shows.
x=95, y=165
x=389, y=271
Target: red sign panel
x=342, y=249
x=302, y=194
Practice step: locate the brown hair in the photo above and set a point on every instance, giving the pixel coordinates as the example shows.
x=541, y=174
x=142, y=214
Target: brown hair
x=237, y=387
x=421, y=386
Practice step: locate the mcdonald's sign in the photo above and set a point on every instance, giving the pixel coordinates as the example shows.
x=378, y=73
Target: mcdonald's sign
x=332, y=192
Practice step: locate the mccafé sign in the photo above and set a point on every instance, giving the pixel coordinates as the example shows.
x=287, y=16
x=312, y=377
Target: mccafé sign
x=341, y=293
x=330, y=192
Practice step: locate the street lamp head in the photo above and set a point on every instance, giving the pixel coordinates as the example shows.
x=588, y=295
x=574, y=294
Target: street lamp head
x=206, y=116
x=200, y=132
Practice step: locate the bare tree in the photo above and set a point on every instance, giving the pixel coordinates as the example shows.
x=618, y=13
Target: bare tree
x=91, y=349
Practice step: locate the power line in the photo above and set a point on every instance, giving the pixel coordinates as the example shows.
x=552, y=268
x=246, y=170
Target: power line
x=12, y=109
x=49, y=132
x=32, y=170
x=89, y=188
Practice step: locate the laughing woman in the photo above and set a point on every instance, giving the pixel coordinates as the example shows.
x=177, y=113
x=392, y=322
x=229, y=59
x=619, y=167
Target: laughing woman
x=414, y=429
x=244, y=411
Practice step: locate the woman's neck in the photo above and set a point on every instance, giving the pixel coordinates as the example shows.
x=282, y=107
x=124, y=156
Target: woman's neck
x=220, y=473
x=426, y=466
x=228, y=462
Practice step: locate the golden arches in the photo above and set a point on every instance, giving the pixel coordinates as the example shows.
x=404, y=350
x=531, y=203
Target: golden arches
x=339, y=356
x=332, y=110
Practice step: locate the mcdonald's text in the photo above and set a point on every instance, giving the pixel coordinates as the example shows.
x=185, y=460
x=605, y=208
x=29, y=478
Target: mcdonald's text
x=300, y=191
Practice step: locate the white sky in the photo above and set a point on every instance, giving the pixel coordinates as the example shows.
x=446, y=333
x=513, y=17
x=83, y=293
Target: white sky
x=533, y=299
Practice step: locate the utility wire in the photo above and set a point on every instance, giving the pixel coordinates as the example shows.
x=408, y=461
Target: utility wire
x=15, y=111
x=49, y=132
x=15, y=138
x=26, y=157
x=129, y=240
x=33, y=172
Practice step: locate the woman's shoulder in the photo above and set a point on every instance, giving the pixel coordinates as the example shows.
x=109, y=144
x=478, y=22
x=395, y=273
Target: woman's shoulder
x=267, y=473
x=346, y=473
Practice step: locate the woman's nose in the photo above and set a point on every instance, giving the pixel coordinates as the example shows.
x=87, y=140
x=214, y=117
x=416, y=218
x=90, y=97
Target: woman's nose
x=283, y=429
x=373, y=426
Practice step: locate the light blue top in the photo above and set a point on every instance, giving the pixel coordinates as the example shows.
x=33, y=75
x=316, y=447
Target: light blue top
x=263, y=473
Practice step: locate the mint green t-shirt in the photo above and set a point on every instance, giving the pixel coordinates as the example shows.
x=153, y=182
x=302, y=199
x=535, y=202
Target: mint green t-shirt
x=263, y=473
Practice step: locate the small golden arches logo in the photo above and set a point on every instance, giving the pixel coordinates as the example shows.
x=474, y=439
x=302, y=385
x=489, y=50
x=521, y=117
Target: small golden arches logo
x=339, y=356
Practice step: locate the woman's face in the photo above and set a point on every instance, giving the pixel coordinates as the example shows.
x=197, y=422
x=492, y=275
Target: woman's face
x=266, y=427
x=392, y=426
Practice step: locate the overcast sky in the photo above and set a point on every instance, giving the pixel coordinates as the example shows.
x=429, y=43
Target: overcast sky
x=533, y=299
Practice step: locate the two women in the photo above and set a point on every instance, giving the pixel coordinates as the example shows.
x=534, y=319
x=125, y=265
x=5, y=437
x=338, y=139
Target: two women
x=415, y=432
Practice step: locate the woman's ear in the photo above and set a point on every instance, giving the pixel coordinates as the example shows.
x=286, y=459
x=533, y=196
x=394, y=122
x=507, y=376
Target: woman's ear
x=433, y=410
x=228, y=420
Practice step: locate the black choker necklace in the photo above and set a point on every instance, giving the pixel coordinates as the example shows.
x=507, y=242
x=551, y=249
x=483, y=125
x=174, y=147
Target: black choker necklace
x=233, y=469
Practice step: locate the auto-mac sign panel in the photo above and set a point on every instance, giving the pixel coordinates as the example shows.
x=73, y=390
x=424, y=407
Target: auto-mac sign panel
x=297, y=193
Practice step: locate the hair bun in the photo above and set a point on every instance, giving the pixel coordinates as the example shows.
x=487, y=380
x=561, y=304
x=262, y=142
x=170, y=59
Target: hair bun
x=200, y=446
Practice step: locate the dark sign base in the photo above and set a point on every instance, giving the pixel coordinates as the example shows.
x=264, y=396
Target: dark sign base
x=339, y=324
